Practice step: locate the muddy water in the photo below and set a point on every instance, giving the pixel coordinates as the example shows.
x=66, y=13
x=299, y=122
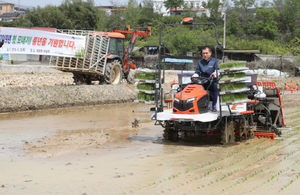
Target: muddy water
x=95, y=150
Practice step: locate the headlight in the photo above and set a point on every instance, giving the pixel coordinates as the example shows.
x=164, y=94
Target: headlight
x=176, y=99
x=190, y=100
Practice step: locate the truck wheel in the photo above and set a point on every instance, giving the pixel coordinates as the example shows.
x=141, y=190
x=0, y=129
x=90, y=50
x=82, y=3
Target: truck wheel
x=113, y=72
x=229, y=135
x=131, y=76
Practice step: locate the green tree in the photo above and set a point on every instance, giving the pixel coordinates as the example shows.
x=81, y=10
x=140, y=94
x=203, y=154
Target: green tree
x=215, y=7
x=233, y=24
x=266, y=24
x=245, y=8
x=132, y=13
x=148, y=16
x=288, y=17
x=169, y=4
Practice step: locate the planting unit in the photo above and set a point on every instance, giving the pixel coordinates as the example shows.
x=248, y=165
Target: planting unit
x=241, y=107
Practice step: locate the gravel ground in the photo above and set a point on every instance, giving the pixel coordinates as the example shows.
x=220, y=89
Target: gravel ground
x=12, y=80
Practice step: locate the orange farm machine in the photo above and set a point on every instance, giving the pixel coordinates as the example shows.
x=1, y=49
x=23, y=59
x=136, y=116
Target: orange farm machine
x=245, y=108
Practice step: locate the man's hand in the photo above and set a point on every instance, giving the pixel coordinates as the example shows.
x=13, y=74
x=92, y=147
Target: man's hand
x=1, y=43
x=213, y=75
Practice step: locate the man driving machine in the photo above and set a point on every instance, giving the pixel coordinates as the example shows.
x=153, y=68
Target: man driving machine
x=206, y=68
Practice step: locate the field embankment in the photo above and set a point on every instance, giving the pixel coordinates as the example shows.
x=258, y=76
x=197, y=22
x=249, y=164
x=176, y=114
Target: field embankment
x=35, y=91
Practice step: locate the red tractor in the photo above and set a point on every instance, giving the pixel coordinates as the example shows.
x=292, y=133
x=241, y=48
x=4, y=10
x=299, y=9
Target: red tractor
x=105, y=58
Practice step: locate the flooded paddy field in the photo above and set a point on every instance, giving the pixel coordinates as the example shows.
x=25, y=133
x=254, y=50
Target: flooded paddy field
x=95, y=150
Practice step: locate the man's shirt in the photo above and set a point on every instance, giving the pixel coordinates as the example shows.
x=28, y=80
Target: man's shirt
x=206, y=68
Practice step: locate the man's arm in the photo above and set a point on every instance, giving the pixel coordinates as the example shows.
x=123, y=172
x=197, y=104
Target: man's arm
x=214, y=73
x=198, y=69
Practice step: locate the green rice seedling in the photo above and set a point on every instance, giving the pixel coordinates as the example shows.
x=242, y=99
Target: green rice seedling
x=232, y=86
x=141, y=96
x=227, y=76
x=151, y=76
x=141, y=75
x=145, y=86
x=232, y=65
x=149, y=97
x=239, y=75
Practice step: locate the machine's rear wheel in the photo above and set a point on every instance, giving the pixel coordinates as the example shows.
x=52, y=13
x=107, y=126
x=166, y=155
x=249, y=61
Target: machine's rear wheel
x=113, y=72
x=228, y=134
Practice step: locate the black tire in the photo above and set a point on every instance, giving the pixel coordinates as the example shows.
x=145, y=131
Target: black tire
x=113, y=72
x=131, y=76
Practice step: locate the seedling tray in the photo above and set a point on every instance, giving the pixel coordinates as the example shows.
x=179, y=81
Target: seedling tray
x=222, y=81
x=235, y=102
x=144, y=81
x=234, y=91
x=146, y=102
x=145, y=91
x=234, y=69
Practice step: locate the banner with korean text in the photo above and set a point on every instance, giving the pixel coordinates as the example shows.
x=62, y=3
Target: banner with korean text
x=23, y=41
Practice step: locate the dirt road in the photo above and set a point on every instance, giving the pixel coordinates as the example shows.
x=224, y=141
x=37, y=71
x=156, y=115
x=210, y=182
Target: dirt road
x=95, y=150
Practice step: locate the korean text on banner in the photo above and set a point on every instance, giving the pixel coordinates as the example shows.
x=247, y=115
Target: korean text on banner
x=23, y=41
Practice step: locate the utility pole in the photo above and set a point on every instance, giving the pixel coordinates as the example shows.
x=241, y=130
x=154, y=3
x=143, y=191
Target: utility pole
x=280, y=64
x=224, y=29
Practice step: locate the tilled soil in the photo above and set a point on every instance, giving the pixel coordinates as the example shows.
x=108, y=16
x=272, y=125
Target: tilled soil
x=87, y=150
x=95, y=150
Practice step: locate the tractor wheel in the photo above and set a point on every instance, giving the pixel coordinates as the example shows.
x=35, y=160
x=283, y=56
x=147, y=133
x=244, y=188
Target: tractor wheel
x=228, y=134
x=131, y=76
x=113, y=72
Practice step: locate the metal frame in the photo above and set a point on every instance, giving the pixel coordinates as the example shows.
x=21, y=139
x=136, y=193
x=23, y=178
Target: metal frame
x=95, y=57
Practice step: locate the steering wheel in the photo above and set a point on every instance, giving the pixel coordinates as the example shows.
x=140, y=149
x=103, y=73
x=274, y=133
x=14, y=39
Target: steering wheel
x=200, y=80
